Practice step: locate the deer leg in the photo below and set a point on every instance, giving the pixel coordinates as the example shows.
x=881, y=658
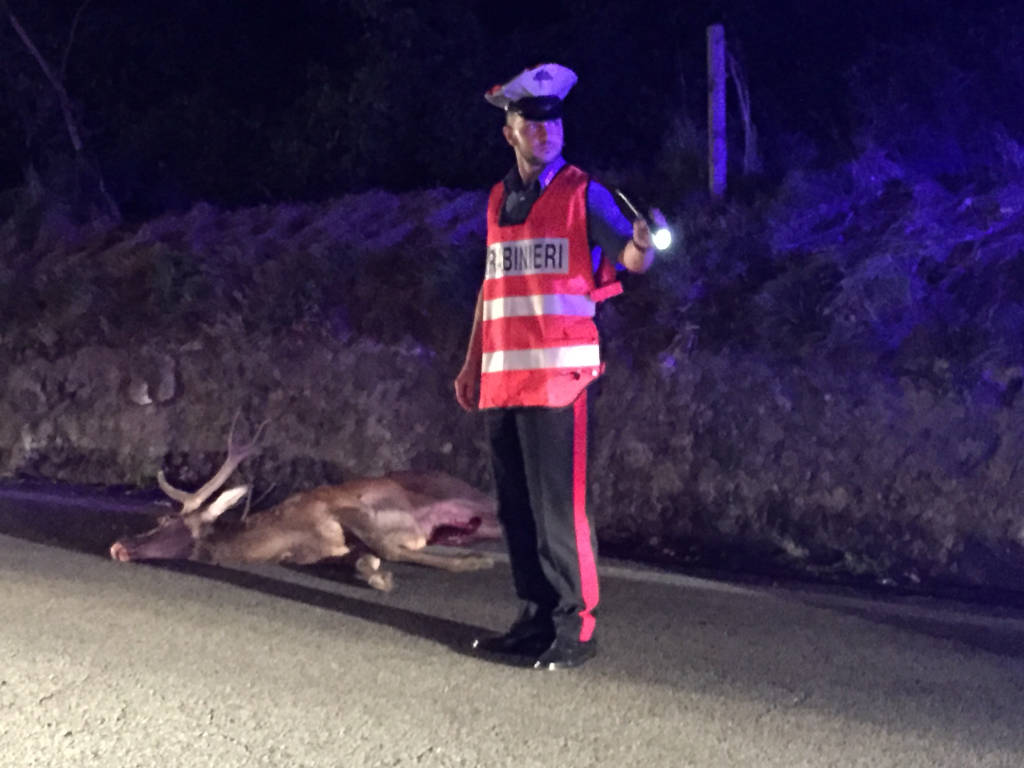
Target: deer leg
x=332, y=538
x=398, y=552
x=273, y=542
x=327, y=539
x=368, y=569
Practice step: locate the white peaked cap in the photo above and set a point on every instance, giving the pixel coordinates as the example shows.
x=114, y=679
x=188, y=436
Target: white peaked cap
x=542, y=80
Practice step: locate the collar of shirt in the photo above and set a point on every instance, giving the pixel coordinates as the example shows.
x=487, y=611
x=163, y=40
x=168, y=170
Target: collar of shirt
x=519, y=197
x=514, y=182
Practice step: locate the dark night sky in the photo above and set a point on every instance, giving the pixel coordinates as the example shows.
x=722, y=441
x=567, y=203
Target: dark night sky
x=240, y=100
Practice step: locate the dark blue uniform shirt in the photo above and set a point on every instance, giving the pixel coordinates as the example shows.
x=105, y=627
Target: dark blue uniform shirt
x=608, y=230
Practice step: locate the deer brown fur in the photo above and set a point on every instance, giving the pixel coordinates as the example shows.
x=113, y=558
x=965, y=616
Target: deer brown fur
x=392, y=517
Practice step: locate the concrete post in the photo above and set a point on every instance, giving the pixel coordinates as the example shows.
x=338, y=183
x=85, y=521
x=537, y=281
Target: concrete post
x=718, y=157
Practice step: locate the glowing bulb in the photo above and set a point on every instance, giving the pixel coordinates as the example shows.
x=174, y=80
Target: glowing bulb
x=662, y=238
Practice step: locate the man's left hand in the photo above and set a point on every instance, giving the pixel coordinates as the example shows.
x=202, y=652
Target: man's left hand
x=639, y=252
x=642, y=237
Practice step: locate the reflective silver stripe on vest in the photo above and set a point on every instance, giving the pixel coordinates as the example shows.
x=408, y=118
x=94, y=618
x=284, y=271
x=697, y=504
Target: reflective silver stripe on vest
x=538, y=304
x=582, y=356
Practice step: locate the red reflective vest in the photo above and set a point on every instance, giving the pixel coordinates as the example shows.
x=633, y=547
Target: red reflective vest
x=540, y=343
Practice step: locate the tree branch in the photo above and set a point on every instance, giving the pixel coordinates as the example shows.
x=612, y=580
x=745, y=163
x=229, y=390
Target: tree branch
x=65, y=102
x=751, y=157
x=71, y=40
x=63, y=98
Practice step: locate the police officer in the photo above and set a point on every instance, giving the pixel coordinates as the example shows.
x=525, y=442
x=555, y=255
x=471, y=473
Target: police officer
x=555, y=238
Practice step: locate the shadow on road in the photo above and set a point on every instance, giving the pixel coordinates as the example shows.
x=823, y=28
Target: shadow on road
x=1001, y=638
x=454, y=634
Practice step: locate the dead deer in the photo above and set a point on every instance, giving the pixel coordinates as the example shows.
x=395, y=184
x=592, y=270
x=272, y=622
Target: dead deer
x=392, y=517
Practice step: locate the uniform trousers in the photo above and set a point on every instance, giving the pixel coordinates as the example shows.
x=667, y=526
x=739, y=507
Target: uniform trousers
x=539, y=458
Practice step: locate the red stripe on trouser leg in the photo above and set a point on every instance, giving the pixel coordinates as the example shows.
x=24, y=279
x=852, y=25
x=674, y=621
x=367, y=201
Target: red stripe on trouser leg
x=584, y=550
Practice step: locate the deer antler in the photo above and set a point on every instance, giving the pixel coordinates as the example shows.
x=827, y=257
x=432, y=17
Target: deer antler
x=236, y=455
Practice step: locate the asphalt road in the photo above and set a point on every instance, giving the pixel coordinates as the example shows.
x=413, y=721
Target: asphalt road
x=111, y=664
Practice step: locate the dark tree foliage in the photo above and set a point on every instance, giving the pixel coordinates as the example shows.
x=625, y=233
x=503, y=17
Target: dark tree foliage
x=238, y=102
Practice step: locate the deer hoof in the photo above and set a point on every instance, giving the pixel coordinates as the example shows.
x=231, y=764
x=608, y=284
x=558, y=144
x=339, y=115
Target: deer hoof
x=382, y=580
x=477, y=562
x=369, y=563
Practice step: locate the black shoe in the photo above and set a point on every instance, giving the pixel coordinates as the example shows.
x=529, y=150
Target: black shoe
x=565, y=654
x=515, y=642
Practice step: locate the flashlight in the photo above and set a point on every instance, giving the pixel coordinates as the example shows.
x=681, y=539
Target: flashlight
x=661, y=236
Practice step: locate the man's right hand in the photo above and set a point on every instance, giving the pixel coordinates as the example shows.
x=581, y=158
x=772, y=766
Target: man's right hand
x=466, y=384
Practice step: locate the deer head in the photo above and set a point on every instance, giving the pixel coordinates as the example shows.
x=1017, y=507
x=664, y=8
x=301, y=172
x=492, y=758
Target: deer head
x=176, y=534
